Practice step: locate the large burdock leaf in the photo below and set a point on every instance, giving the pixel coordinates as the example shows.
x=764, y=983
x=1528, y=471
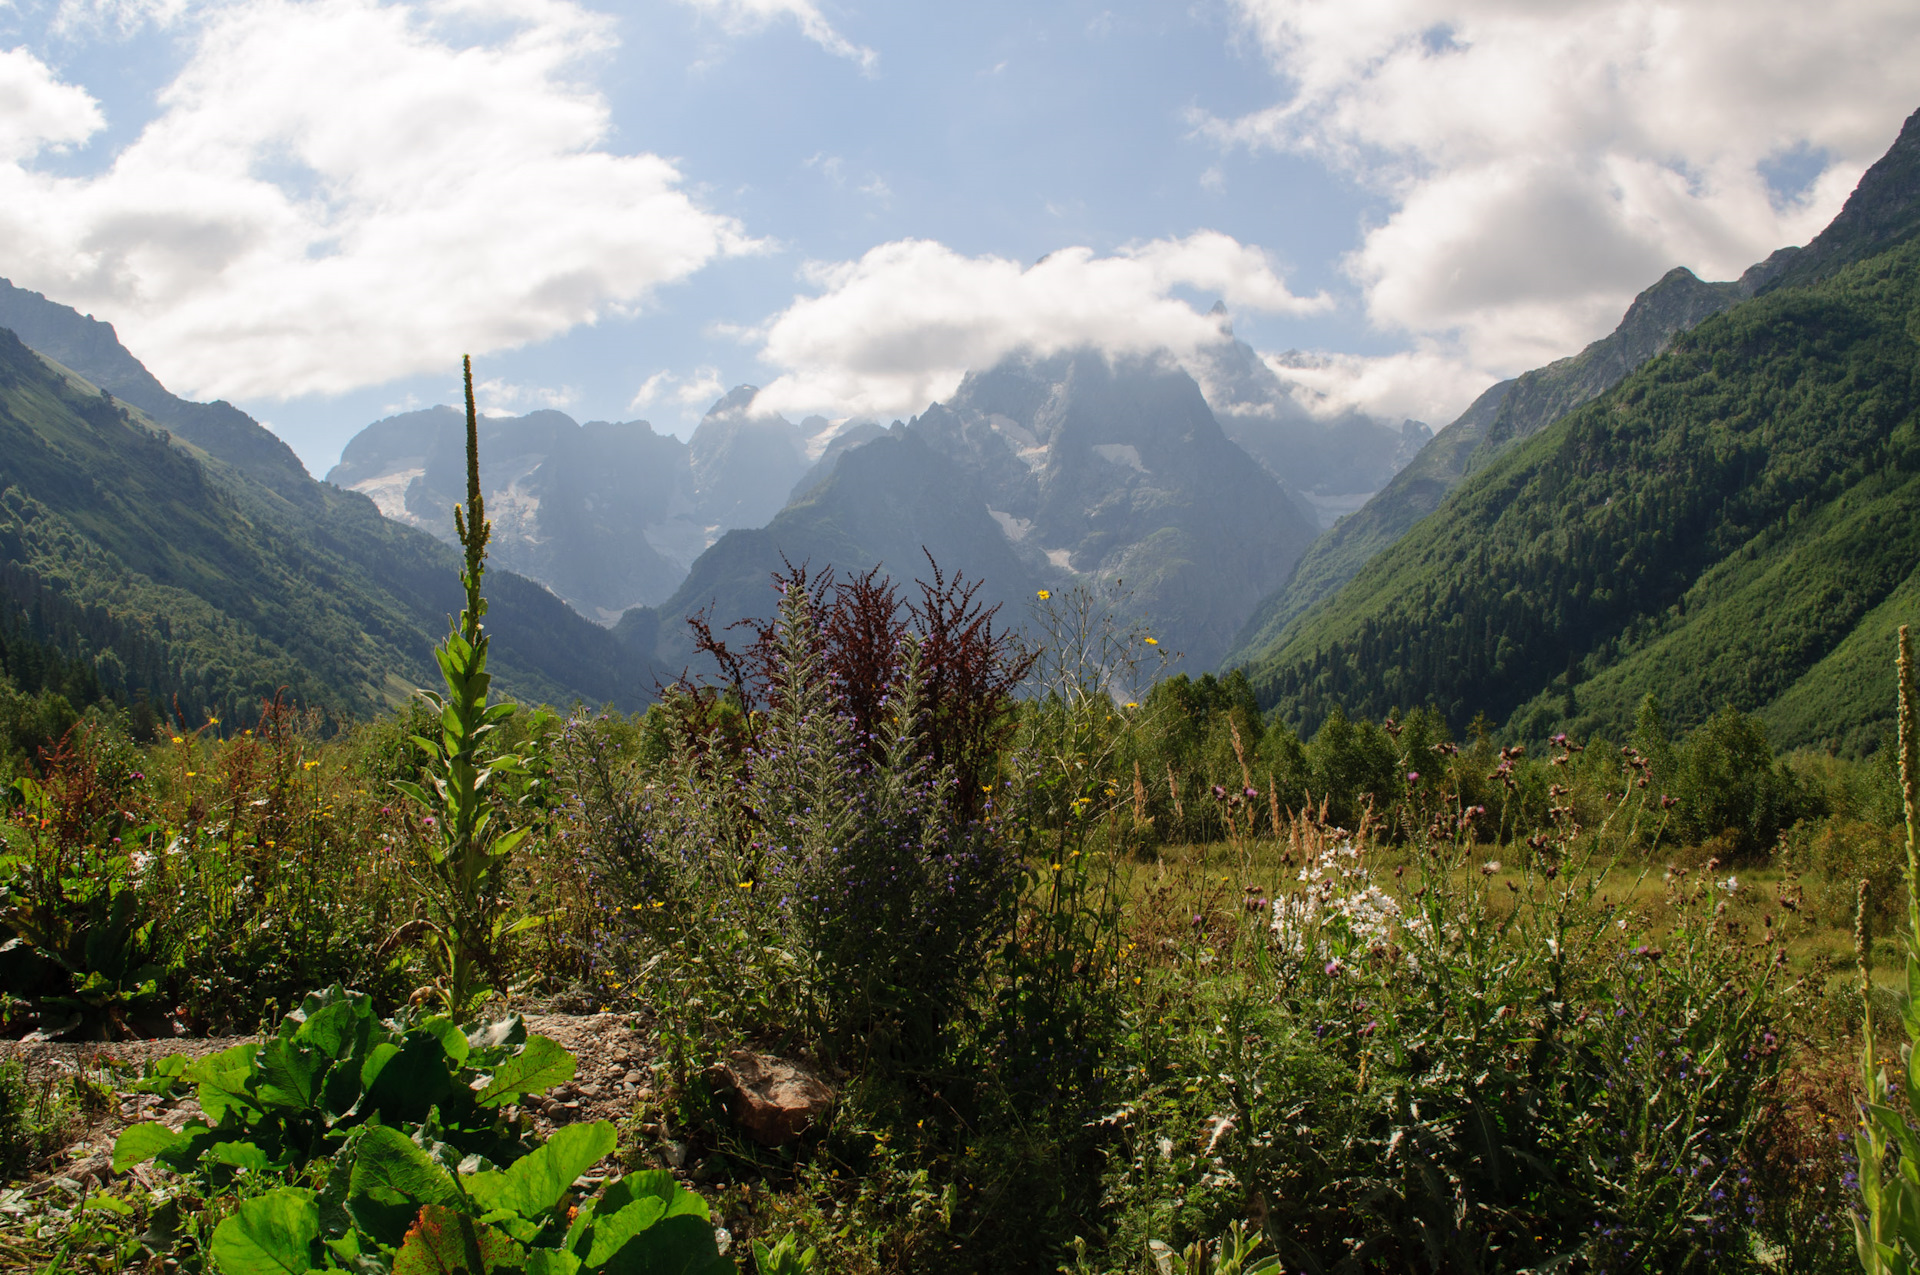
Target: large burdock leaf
x=141, y=1142
x=645, y=1224
x=445, y=1242
x=272, y=1234
x=537, y=1180
x=222, y=1079
x=541, y=1064
x=392, y=1178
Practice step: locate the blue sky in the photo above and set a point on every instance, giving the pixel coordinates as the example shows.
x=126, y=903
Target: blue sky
x=313, y=207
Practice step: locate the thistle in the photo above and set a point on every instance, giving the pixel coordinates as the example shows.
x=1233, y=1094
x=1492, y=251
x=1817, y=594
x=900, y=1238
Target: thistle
x=464, y=842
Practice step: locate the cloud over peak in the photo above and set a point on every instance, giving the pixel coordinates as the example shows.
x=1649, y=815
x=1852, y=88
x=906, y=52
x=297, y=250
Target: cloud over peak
x=896, y=329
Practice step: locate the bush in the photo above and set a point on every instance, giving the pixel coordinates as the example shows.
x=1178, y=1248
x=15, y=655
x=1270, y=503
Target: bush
x=1486, y=1072
x=823, y=877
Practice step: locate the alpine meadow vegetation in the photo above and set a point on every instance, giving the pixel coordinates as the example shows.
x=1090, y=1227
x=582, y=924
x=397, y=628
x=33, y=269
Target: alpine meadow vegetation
x=1103, y=968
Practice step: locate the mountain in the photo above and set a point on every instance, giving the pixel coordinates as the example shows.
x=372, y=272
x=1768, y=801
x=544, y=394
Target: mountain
x=745, y=463
x=602, y=513
x=1502, y=416
x=1732, y=522
x=208, y=573
x=90, y=347
x=609, y=516
x=1333, y=462
x=884, y=501
x=1035, y=473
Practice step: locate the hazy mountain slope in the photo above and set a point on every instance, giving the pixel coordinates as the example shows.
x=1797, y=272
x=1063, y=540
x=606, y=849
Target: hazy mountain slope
x=609, y=515
x=883, y=501
x=1729, y=524
x=91, y=348
x=201, y=580
x=602, y=513
x=1319, y=458
x=745, y=463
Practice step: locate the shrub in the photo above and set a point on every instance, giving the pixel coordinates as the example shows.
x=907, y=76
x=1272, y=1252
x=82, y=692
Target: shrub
x=824, y=876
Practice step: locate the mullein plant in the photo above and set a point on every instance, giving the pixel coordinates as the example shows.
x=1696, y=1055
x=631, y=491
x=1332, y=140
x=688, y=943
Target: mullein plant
x=464, y=842
x=1887, y=1224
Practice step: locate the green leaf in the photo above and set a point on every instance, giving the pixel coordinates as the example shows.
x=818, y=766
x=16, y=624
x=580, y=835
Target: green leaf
x=290, y=1076
x=444, y=1242
x=617, y=1218
x=541, y=1064
x=273, y=1234
x=680, y=1245
x=337, y=1030
x=162, y=1075
x=550, y=1261
x=536, y=1181
x=138, y=1143
x=412, y=789
x=453, y=1041
x=646, y=1223
x=392, y=1178
x=409, y=1081
x=238, y=1155
x=222, y=1080
x=661, y=1185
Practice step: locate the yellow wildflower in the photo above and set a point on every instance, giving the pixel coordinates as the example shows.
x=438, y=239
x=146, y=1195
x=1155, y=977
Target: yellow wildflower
x=1153, y=641
x=1044, y=594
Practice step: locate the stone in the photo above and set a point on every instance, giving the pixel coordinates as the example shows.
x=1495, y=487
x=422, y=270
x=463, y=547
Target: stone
x=773, y=1100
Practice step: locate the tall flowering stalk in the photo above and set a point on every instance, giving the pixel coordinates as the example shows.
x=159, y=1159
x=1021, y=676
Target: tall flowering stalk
x=464, y=843
x=1887, y=1227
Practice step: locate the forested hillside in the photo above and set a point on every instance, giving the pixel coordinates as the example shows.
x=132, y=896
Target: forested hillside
x=172, y=574
x=1731, y=524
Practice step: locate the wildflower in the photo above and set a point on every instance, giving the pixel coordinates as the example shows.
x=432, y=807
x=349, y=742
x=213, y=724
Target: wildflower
x=1249, y=794
x=1490, y=867
x=178, y=740
x=309, y=765
x=1130, y=704
x=1044, y=594
x=430, y=821
x=1730, y=884
x=1413, y=776
x=1153, y=642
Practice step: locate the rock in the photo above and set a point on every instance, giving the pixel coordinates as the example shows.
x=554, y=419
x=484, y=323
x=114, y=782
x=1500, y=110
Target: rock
x=773, y=1100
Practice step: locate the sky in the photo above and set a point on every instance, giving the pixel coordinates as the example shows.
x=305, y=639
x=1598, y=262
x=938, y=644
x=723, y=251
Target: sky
x=313, y=208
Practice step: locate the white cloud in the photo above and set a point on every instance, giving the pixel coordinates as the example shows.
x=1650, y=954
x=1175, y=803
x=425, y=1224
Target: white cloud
x=1430, y=382
x=38, y=112
x=754, y=15
x=696, y=390
x=1547, y=161
x=337, y=193
x=895, y=330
